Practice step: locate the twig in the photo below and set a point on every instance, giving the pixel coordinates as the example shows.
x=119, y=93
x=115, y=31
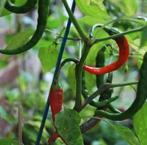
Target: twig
x=89, y=124
x=76, y=24
x=119, y=34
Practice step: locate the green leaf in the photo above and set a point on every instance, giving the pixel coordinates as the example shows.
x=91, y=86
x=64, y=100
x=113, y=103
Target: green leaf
x=126, y=134
x=20, y=2
x=67, y=123
x=12, y=95
x=98, y=33
x=4, y=11
x=19, y=39
x=71, y=77
x=143, y=41
x=91, y=20
x=2, y=3
x=3, y=113
x=48, y=56
x=129, y=7
x=140, y=124
x=93, y=8
x=8, y=141
x=54, y=23
x=3, y=64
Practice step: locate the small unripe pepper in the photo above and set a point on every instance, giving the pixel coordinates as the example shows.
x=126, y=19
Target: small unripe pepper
x=123, y=57
x=56, y=100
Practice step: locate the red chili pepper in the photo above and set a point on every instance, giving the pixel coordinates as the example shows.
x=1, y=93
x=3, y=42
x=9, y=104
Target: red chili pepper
x=53, y=138
x=56, y=100
x=123, y=57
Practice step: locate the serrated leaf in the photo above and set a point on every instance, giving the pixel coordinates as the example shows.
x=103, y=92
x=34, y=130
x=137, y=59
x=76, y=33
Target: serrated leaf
x=140, y=124
x=48, y=56
x=67, y=123
x=143, y=41
x=19, y=39
x=126, y=134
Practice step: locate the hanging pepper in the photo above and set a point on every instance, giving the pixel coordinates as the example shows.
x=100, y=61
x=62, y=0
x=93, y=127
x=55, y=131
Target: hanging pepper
x=100, y=62
x=53, y=138
x=123, y=57
x=56, y=100
x=139, y=101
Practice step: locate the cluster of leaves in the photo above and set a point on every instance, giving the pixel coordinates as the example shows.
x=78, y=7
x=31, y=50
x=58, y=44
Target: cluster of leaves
x=120, y=14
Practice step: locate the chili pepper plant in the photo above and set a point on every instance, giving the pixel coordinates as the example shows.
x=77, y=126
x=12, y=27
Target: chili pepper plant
x=97, y=48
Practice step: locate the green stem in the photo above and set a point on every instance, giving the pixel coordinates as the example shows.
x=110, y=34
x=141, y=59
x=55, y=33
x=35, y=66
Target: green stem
x=67, y=60
x=123, y=84
x=78, y=74
x=76, y=24
x=118, y=35
x=105, y=87
x=71, y=39
x=91, y=97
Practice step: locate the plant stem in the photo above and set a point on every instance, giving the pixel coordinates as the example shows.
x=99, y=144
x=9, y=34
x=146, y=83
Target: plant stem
x=118, y=35
x=71, y=39
x=67, y=60
x=78, y=74
x=101, y=90
x=91, y=97
x=76, y=24
x=123, y=84
x=89, y=124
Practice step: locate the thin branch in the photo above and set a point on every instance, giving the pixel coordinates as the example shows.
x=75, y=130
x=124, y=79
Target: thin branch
x=76, y=24
x=89, y=124
x=67, y=60
x=123, y=84
x=102, y=89
x=78, y=74
x=118, y=35
x=70, y=38
x=90, y=98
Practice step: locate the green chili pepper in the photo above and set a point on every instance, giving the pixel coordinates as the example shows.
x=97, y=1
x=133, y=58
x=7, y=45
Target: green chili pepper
x=105, y=98
x=100, y=62
x=102, y=103
x=139, y=101
x=43, y=9
x=112, y=109
x=106, y=95
x=29, y=5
